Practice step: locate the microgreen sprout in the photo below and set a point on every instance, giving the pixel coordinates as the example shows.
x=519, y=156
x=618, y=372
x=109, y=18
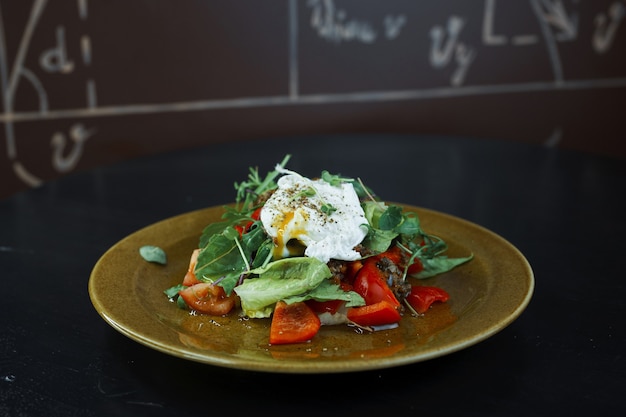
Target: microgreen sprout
x=328, y=209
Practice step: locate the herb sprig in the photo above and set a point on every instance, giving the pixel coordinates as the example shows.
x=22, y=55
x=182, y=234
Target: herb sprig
x=250, y=190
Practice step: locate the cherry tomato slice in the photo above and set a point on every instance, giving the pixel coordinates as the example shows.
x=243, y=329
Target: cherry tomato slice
x=190, y=277
x=371, y=285
x=208, y=298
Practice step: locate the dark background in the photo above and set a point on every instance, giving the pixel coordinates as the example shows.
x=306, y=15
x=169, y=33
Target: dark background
x=150, y=76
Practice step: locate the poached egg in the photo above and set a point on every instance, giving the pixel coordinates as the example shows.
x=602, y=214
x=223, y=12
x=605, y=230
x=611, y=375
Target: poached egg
x=314, y=218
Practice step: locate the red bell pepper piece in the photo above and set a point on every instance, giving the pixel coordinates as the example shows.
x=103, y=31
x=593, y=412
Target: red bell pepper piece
x=378, y=314
x=293, y=323
x=422, y=297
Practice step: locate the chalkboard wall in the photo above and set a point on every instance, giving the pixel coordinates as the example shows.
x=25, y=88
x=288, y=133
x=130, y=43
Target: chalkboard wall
x=91, y=82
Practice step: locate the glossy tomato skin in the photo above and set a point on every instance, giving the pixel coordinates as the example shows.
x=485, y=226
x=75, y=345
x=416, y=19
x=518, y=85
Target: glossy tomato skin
x=422, y=297
x=416, y=267
x=256, y=215
x=377, y=314
x=208, y=298
x=381, y=305
x=320, y=307
x=394, y=254
x=352, y=269
x=190, y=277
x=371, y=285
x=293, y=323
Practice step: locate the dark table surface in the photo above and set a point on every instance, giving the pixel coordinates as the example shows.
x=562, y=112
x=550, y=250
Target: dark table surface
x=563, y=356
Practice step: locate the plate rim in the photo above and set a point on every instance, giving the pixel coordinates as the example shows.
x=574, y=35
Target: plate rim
x=278, y=366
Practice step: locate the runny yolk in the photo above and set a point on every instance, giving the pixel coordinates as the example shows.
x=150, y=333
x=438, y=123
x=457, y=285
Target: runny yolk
x=286, y=243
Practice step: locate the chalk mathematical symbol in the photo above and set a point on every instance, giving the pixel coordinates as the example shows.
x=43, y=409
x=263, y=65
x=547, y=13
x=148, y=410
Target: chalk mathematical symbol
x=446, y=46
x=464, y=57
x=444, y=41
x=334, y=25
x=491, y=38
x=62, y=159
x=555, y=14
x=67, y=150
x=86, y=53
x=55, y=59
x=393, y=25
x=607, y=26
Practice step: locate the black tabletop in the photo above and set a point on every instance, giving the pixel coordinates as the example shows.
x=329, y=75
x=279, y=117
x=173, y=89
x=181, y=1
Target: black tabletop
x=563, y=356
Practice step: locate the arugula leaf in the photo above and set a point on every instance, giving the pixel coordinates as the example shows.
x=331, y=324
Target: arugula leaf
x=153, y=254
x=232, y=217
x=172, y=292
x=254, y=238
x=410, y=226
x=263, y=254
x=390, y=218
x=212, y=229
x=220, y=257
x=377, y=240
x=440, y=264
x=392, y=224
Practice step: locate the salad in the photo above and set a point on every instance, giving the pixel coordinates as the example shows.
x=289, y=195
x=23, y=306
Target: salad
x=305, y=253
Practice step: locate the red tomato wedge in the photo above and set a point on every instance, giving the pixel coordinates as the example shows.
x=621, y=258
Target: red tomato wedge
x=190, y=278
x=352, y=268
x=422, y=297
x=256, y=215
x=319, y=307
x=208, y=298
x=416, y=267
x=330, y=306
x=394, y=254
x=377, y=314
x=293, y=323
x=371, y=285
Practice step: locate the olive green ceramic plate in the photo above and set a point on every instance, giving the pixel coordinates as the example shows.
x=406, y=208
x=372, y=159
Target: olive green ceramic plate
x=486, y=294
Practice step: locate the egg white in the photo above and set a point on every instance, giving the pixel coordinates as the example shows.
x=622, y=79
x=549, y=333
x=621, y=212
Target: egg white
x=294, y=214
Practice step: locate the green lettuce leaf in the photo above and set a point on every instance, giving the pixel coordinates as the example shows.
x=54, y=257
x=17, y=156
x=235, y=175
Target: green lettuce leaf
x=280, y=280
x=328, y=291
x=377, y=240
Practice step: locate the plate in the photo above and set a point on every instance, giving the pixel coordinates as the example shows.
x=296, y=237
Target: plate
x=486, y=295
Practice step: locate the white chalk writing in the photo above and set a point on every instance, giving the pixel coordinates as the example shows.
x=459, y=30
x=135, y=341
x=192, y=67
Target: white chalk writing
x=606, y=27
x=456, y=40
